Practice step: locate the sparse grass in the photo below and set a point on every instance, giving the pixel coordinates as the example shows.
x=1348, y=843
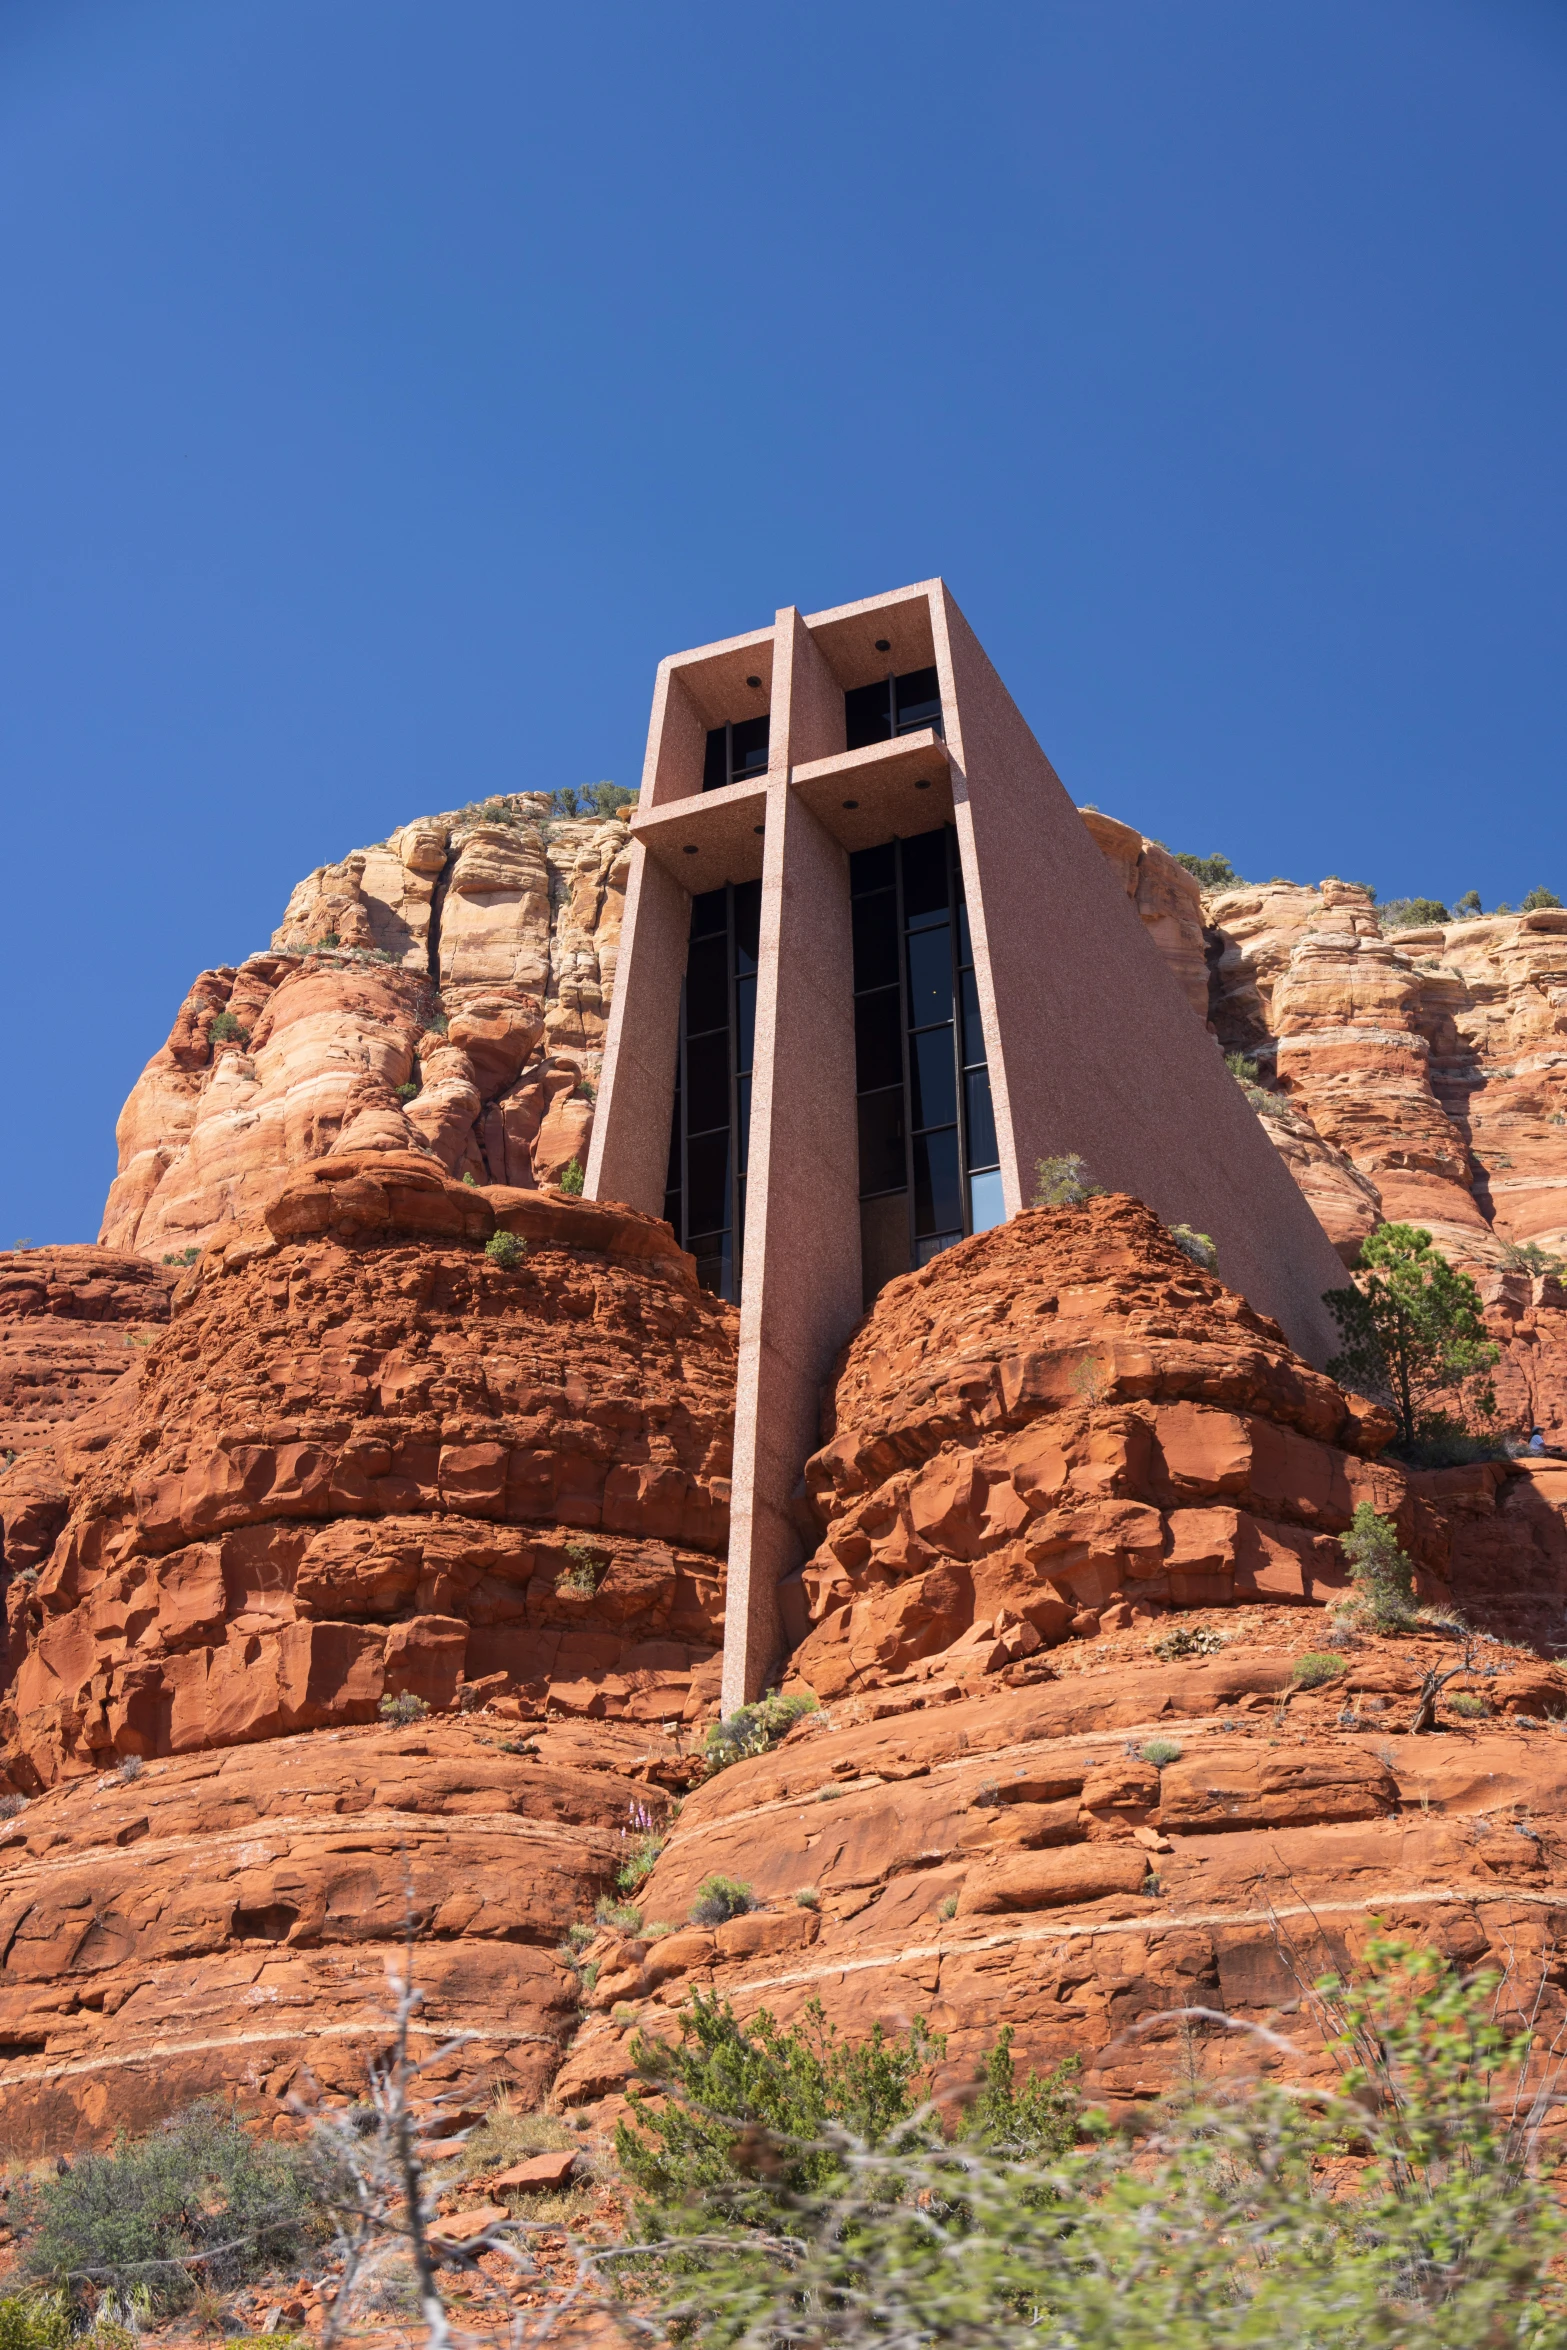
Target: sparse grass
x=807, y=1897
x=507, y=2135
x=403, y=1710
x=624, y=1916
x=718, y=1899
x=949, y=1907
x=35, y=2321
x=1160, y=1751
x=1187, y=1640
x=754, y=1729
x=1468, y=1705
x=1316, y=1668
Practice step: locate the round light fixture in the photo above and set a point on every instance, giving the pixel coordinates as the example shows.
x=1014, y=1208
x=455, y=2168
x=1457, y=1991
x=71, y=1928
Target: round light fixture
x=922, y=786
x=851, y=803
x=753, y=681
x=884, y=644
x=690, y=851
x=758, y=828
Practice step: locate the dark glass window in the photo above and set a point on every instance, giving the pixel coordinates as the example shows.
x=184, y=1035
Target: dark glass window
x=892, y=706
x=933, y=1079
x=875, y=922
x=929, y=1169
x=882, y=1142
x=930, y=976
x=704, y=1198
x=735, y=752
x=878, y=1039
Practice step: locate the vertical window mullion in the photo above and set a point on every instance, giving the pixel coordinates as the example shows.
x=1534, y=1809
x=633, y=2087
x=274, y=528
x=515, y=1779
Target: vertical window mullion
x=903, y=1026
x=685, y=1126
x=957, y=1029
x=735, y=1232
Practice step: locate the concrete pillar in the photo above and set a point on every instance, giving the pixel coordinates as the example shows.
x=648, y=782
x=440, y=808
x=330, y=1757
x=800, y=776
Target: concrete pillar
x=629, y=1154
x=801, y=1287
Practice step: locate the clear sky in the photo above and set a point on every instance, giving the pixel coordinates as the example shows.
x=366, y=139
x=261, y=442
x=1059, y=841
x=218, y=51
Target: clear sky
x=386, y=384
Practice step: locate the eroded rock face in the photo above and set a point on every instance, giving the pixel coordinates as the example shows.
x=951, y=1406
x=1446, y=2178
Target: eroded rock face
x=74, y=1326
x=999, y=1851
x=223, y=1923
x=1064, y=1423
x=446, y=992
x=355, y=1463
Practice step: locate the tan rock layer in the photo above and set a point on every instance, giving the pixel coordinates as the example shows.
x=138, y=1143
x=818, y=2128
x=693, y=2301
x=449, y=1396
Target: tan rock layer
x=465, y=964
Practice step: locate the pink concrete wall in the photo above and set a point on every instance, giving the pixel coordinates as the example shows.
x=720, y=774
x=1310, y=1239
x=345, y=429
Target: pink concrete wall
x=1092, y=1046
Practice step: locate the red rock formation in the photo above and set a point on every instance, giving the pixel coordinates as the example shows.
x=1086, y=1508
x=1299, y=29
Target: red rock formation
x=354, y=1467
x=446, y=991
x=1063, y=1428
x=1063, y=1422
x=74, y=1323
x=223, y=1922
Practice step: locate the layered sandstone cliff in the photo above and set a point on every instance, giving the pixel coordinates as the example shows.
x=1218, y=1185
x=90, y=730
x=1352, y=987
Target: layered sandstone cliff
x=445, y=991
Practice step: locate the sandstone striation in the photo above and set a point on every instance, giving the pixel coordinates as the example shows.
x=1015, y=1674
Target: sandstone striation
x=362, y=1461
x=446, y=991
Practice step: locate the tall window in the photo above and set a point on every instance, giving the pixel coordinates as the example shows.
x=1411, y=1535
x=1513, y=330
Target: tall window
x=704, y=1199
x=929, y=1165
x=895, y=705
x=735, y=752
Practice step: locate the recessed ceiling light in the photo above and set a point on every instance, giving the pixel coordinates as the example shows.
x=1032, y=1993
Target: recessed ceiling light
x=690, y=851
x=758, y=828
x=753, y=681
x=922, y=786
x=851, y=803
x=884, y=644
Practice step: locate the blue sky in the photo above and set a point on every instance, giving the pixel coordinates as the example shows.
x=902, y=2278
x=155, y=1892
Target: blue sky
x=386, y=385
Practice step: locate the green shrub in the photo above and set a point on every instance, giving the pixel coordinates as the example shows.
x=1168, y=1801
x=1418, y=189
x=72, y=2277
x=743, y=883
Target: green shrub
x=1413, y=913
x=409, y=1091
x=571, y=1180
x=624, y=1916
x=1317, y=1667
x=591, y=799
x=807, y=1897
x=1187, y=1640
x=472, y=1182
x=1212, y=873
x=404, y=1709
x=753, y=1729
x=1538, y=898
x=1414, y=1336
x=718, y=1899
x=506, y=1250
x=35, y=2321
x=1527, y=1256
x=183, y=1256
x=1160, y=1751
x=1063, y=1182
x=198, y=2202
x=585, y=1573
x=226, y=1029
x=1195, y=1245
x=1468, y=1705
x=1225, y=2219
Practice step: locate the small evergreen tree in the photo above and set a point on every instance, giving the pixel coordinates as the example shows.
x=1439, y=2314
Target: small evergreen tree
x=1215, y=872
x=1383, y=1577
x=1064, y=1182
x=1413, y=1335
x=1538, y=898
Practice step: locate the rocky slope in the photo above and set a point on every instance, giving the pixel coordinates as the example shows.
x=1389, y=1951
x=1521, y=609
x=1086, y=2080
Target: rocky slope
x=1052, y=1449
x=354, y=1463
x=445, y=991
